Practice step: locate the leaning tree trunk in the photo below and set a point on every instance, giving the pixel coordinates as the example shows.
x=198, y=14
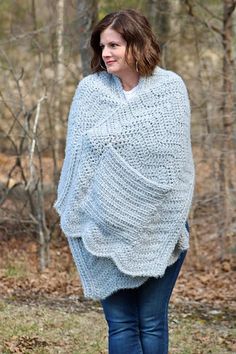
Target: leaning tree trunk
x=87, y=17
x=34, y=191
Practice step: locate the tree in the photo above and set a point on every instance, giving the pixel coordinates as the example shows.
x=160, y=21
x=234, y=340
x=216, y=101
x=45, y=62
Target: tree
x=87, y=17
x=228, y=159
x=226, y=111
x=60, y=79
x=158, y=13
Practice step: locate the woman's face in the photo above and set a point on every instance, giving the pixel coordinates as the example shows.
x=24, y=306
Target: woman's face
x=113, y=53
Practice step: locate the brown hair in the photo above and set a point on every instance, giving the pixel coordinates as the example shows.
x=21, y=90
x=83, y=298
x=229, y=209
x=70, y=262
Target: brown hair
x=137, y=32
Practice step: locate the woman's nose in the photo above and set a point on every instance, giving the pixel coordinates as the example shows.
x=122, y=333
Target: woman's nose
x=105, y=52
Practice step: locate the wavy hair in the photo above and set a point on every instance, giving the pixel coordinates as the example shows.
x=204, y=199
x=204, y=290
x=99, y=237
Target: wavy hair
x=138, y=34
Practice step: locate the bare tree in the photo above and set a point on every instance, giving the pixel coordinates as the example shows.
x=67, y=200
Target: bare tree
x=227, y=159
x=30, y=190
x=60, y=79
x=34, y=189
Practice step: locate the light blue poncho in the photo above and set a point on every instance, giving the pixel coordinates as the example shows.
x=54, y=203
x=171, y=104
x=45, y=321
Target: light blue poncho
x=127, y=180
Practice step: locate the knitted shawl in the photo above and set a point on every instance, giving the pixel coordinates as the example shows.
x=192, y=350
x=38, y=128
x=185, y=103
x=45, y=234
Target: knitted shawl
x=127, y=180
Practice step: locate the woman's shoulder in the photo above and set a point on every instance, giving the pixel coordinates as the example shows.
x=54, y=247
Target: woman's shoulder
x=94, y=79
x=90, y=84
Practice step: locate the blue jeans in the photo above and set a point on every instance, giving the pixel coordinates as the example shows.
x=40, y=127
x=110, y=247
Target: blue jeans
x=138, y=318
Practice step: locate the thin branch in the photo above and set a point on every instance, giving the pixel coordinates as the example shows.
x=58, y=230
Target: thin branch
x=34, y=141
x=43, y=29
x=204, y=23
x=26, y=34
x=209, y=11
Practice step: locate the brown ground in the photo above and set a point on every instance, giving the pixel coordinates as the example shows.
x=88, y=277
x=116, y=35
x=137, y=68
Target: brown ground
x=211, y=282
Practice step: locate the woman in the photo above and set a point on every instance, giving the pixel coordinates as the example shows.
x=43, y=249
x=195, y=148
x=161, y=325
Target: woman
x=127, y=182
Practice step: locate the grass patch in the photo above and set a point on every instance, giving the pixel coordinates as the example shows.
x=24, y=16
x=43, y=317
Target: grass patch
x=192, y=336
x=42, y=330
x=15, y=270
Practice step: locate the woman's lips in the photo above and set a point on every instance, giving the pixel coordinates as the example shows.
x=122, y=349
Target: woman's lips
x=110, y=62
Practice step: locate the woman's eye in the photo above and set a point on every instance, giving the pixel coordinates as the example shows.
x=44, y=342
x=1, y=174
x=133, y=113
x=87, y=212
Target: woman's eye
x=112, y=45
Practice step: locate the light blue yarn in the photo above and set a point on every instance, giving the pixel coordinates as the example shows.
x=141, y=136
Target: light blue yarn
x=127, y=180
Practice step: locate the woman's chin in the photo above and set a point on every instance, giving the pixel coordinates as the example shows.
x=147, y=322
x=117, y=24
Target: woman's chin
x=111, y=70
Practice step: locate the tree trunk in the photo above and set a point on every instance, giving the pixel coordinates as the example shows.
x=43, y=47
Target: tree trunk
x=87, y=17
x=158, y=13
x=43, y=232
x=60, y=77
x=33, y=14
x=34, y=188
x=227, y=161
x=228, y=84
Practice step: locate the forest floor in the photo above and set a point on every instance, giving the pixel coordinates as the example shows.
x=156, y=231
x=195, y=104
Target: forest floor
x=46, y=312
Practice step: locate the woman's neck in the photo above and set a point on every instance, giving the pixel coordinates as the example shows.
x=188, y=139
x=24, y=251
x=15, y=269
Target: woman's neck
x=130, y=80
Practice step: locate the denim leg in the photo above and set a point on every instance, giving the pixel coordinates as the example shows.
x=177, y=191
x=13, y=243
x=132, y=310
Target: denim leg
x=121, y=314
x=153, y=301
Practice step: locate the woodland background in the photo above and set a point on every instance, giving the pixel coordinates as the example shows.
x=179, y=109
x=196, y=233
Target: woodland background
x=44, y=52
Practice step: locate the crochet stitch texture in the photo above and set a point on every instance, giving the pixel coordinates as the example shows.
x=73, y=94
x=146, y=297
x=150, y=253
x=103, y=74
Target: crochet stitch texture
x=127, y=180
